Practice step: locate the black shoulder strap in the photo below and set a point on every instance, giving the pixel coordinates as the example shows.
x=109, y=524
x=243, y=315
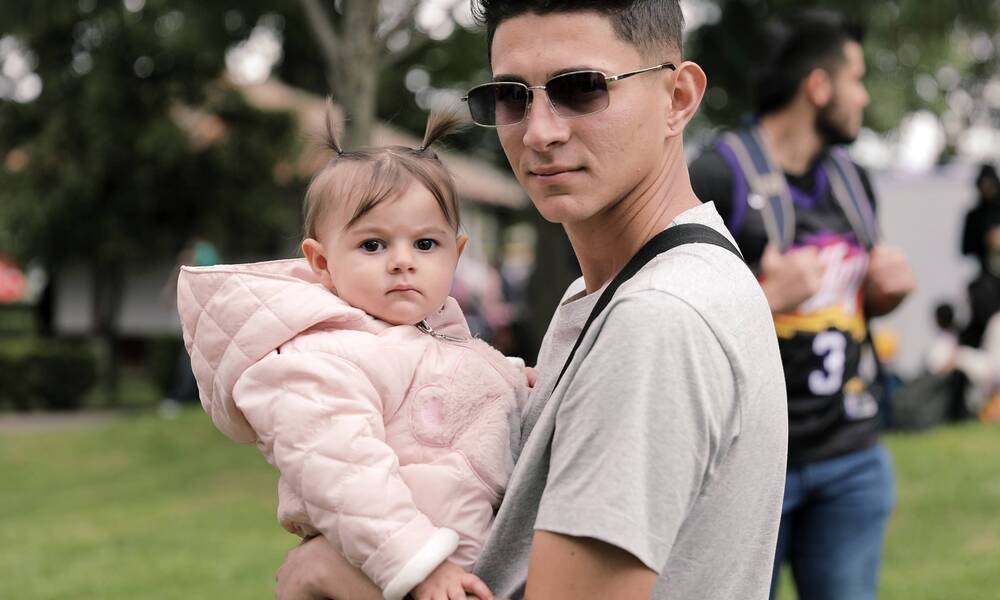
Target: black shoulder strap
x=669, y=238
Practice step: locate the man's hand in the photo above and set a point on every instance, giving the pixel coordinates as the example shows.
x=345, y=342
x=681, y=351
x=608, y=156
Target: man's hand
x=791, y=278
x=888, y=281
x=315, y=570
x=450, y=582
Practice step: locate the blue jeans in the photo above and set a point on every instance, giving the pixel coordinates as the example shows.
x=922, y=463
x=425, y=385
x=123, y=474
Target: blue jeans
x=833, y=524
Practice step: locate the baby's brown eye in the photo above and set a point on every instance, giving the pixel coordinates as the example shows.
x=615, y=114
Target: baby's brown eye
x=425, y=244
x=371, y=245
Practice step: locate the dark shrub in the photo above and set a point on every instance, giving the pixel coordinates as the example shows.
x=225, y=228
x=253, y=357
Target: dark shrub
x=52, y=374
x=161, y=361
x=16, y=319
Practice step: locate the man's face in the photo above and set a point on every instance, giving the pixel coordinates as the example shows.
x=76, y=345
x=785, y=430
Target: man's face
x=989, y=188
x=839, y=122
x=397, y=261
x=573, y=169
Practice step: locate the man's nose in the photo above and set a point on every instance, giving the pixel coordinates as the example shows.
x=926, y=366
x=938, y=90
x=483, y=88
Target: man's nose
x=543, y=128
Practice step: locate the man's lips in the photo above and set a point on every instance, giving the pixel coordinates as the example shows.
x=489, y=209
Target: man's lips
x=552, y=170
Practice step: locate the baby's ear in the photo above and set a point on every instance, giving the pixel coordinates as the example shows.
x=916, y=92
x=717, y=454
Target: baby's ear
x=316, y=257
x=461, y=241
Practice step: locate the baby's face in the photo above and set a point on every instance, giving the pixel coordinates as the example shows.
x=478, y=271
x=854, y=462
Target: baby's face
x=396, y=262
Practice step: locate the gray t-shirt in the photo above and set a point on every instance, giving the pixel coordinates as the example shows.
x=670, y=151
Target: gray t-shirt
x=667, y=436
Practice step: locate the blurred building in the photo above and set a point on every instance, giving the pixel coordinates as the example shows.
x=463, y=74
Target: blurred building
x=490, y=199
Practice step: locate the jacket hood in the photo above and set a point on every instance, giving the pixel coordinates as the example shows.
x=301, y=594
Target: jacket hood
x=234, y=315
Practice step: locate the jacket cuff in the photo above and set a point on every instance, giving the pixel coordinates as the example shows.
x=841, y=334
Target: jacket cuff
x=436, y=550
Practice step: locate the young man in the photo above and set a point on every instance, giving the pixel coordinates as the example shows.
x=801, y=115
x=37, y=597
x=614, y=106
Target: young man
x=823, y=271
x=655, y=468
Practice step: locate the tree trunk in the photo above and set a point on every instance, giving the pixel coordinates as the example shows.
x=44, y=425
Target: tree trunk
x=360, y=71
x=108, y=282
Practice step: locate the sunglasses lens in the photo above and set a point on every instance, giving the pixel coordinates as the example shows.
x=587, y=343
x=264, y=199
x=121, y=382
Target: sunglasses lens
x=498, y=103
x=578, y=94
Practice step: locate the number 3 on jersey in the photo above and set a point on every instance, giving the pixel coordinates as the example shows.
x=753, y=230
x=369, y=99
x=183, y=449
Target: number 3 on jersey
x=831, y=345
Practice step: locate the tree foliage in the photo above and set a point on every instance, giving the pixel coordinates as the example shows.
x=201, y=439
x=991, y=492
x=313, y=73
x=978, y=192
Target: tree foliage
x=412, y=69
x=107, y=171
x=917, y=52
x=134, y=143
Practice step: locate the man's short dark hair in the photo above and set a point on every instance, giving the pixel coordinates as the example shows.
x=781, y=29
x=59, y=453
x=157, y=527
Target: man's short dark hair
x=987, y=171
x=796, y=45
x=652, y=26
x=944, y=315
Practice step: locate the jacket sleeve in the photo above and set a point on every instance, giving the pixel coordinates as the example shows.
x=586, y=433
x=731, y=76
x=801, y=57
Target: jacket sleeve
x=319, y=419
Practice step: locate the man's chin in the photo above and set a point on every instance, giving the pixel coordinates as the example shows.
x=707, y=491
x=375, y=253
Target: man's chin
x=833, y=132
x=836, y=136
x=555, y=209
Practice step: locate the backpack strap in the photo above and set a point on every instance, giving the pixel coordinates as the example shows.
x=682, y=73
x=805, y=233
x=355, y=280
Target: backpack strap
x=852, y=197
x=669, y=238
x=768, y=188
x=856, y=204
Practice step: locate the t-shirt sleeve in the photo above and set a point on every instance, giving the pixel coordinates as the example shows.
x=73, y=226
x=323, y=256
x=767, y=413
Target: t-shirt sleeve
x=640, y=429
x=712, y=181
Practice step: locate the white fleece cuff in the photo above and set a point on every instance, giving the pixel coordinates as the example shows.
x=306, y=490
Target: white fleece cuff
x=442, y=544
x=517, y=362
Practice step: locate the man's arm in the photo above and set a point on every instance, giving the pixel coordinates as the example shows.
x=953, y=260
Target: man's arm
x=563, y=567
x=889, y=280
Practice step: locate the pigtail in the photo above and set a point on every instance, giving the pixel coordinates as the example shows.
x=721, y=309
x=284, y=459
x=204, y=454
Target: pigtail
x=330, y=139
x=439, y=124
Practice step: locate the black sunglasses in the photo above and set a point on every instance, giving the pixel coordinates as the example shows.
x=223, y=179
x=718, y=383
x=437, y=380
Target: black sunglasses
x=570, y=95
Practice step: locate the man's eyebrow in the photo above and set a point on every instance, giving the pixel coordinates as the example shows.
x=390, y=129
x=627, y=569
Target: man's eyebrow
x=573, y=69
x=503, y=77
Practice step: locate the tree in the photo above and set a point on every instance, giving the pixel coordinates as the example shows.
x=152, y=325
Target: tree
x=134, y=142
x=392, y=69
x=351, y=58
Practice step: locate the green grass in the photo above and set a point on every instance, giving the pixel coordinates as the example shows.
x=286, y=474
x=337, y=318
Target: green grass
x=152, y=509
x=139, y=508
x=944, y=538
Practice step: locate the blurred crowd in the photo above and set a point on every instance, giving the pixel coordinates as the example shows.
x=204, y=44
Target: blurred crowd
x=961, y=371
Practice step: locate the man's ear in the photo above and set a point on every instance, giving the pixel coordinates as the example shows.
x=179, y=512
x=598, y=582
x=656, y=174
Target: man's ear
x=461, y=240
x=818, y=87
x=685, y=95
x=316, y=257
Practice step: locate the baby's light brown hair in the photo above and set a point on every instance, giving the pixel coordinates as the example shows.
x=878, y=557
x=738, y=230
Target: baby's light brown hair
x=369, y=176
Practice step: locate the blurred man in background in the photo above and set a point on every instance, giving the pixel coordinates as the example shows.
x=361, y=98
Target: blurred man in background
x=981, y=240
x=804, y=216
x=984, y=216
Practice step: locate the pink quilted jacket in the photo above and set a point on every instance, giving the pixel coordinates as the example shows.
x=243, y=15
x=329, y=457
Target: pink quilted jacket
x=394, y=443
